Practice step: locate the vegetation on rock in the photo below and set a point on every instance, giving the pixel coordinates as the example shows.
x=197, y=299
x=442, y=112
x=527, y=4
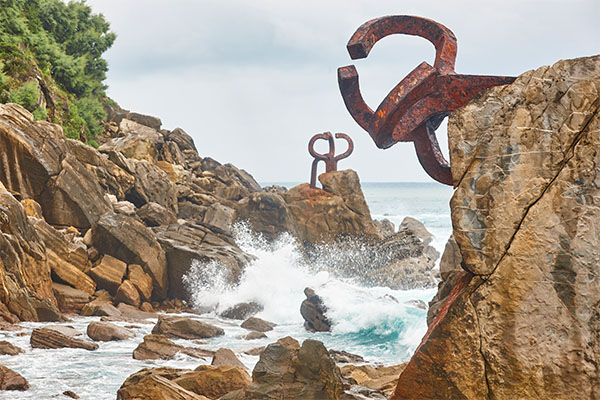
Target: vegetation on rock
x=51, y=63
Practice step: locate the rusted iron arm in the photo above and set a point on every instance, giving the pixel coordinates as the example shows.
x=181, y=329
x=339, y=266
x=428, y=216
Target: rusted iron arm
x=329, y=158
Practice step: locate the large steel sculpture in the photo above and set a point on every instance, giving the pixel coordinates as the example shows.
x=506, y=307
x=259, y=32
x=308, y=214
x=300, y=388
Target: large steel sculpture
x=414, y=109
x=329, y=158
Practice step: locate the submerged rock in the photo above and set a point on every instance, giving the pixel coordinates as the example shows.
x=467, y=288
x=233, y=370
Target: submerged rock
x=156, y=347
x=242, y=310
x=257, y=324
x=313, y=311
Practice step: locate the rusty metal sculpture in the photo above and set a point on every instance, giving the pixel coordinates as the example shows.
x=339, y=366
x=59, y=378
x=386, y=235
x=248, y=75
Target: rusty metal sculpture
x=329, y=158
x=415, y=108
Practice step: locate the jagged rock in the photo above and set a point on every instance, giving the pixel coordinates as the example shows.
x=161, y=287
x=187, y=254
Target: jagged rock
x=182, y=139
x=450, y=271
x=128, y=239
x=524, y=159
x=156, y=347
x=105, y=332
x=171, y=153
x=257, y=324
x=153, y=214
x=155, y=384
x=219, y=218
x=185, y=328
x=151, y=185
x=70, y=300
x=67, y=258
x=242, y=310
x=24, y=270
x=146, y=120
x=382, y=379
x=7, y=348
x=323, y=216
x=214, y=382
x=128, y=294
x=266, y=213
x=100, y=308
x=125, y=208
x=226, y=358
x=109, y=273
x=187, y=242
x=313, y=311
x=32, y=208
x=141, y=280
x=385, y=227
x=286, y=370
x=190, y=211
x=48, y=338
x=343, y=357
x=274, y=189
x=74, y=197
x=138, y=141
x=11, y=380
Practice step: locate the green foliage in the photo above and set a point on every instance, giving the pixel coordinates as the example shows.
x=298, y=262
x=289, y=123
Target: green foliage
x=40, y=114
x=26, y=95
x=63, y=42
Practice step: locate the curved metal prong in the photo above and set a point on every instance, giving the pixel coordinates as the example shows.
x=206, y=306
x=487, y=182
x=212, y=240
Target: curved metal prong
x=349, y=86
x=430, y=156
x=350, y=146
x=369, y=33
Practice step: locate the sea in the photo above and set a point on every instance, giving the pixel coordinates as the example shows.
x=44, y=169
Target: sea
x=376, y=323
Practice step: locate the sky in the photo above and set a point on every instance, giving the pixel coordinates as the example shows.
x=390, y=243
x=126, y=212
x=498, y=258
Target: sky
x=253, y=80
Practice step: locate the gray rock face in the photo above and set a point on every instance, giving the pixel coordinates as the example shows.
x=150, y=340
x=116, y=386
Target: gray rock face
x=523, y=322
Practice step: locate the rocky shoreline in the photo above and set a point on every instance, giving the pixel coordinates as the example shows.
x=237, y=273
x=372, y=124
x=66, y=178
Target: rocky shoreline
x=110, y=233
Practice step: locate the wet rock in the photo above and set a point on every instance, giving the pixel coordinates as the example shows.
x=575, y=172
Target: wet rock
x=71, y=394
x=11, y=380
x=343, y=357
x=100, y=308
x=254, y=335
x=128, y=294
x=187, y=242
x=286, y=370
x=132, y=313
x=257, y=324
x=313, y=311
x=129, y=240
x=105, y=332
x=155, y=384
x=156, y=347
x=385, y=227
x=266, y=213
x=109, y=273
x=219, y=218
x=185, y=328
x=255, y=351
x=417, y=303
x=525, y=162
x=214, y=382
x=7, y=348
x=70, y=300
x=47, y=338
x=153, y=214
x=226, y=358
x=242, y=310
x=383, y=379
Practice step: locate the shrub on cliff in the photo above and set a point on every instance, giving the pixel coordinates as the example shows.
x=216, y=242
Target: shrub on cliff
x=51, y=62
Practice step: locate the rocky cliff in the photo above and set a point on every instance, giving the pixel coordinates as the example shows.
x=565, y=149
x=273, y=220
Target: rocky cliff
x=522, y=319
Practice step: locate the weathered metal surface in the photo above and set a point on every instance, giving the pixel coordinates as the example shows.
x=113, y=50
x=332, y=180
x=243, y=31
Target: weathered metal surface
x=329, y=158
x=415, y=108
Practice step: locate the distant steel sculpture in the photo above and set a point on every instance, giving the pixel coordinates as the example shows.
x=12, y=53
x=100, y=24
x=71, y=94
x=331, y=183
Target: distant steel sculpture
x=330, y=158
x=415, y=108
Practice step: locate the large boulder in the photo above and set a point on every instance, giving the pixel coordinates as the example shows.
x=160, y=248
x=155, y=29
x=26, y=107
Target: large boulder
x=11, y=380
x=214, y=382
x=192, y=242
x=313, y=311
x=523, y=321
x=323, y=216
x=185, y=328
x=266, y=213
x=109, y=273
x=156, y=347
x=105, y=332
x=70, y=300
x=52, y=338
x=288, y=371
x=226, y=358
x=155, y=384
x=138, y=141
x=129, y=240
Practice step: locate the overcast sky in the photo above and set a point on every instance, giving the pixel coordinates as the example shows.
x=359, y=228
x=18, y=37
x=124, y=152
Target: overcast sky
x=252, y=81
